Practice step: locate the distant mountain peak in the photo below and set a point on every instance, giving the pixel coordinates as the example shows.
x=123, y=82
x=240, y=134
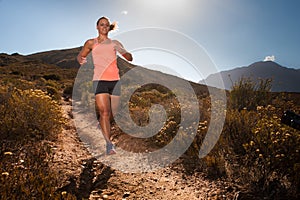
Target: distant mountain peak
x=265, y=64
x=283, y=79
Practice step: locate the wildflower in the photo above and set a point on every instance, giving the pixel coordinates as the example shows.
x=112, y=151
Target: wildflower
x=258, y=108
x=5, y=174
x=8, y=153
x=203, y=123
x=245, y=145
x=63, y=193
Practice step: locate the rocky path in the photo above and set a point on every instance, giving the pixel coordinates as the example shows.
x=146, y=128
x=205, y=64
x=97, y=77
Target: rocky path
x=89, y=174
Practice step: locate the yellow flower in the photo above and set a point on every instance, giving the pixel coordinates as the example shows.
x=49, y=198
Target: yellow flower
x=245, y=145
x=5, y=174
x=259, y=108
x=203, y=123
x=287, y=134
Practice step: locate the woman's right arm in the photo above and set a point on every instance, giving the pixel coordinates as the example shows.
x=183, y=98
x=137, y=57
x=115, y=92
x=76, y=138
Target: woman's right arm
x=86, y=49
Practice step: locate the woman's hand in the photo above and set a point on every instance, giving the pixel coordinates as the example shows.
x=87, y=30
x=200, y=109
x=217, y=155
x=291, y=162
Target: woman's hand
x=81, y=60
x=128, y=56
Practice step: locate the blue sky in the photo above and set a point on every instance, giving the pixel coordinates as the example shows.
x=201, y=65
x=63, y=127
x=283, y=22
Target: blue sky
x=234, y=33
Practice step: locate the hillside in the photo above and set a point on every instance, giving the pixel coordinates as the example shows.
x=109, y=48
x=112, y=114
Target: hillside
x=63, y=64
x=65, y=58
x=284, y=79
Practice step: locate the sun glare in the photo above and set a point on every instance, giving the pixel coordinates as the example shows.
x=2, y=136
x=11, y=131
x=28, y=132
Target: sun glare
x=166, y=3
x=167, y=12
x=166, y=6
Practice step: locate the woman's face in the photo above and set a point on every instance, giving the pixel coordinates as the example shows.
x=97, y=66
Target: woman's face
x=103, y=26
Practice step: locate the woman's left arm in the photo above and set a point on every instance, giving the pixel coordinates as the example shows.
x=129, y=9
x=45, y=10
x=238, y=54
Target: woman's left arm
x=120, y=48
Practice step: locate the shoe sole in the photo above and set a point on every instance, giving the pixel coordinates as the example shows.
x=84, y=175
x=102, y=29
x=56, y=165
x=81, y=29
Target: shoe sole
x=111, y=152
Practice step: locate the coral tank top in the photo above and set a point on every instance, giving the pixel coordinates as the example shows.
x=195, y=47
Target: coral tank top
x=105, y=60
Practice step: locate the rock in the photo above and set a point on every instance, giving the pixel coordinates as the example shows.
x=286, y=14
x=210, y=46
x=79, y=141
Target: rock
x=126, y=194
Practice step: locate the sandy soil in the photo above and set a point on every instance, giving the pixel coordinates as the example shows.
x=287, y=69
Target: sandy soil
x=88, y=173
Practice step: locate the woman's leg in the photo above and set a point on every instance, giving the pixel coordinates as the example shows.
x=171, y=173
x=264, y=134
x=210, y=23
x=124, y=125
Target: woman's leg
x=103, y=103
x=115, y=100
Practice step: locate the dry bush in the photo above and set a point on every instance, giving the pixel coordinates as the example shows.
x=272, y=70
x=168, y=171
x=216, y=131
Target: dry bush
x=25, y=174
x=30, y=119
x=26, y=114
x=273, y=152
x=255, y=148
x=247, y=94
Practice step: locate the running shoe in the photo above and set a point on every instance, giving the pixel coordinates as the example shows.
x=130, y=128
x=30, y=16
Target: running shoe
x=110, y=149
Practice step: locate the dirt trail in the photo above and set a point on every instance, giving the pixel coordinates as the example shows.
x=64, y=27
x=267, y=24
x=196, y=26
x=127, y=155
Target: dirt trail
x=85, y=171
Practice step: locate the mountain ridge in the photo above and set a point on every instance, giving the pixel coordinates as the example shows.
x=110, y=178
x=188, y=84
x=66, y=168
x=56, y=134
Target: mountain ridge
x=284, y=79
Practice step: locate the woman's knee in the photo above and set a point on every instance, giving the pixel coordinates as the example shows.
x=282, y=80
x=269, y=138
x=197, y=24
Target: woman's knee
x=104, y=112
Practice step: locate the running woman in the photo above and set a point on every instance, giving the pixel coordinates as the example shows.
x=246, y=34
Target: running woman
x=106, y=75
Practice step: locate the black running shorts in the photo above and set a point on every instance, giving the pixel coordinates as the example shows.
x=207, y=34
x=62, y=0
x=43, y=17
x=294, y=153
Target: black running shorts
x=110, y=87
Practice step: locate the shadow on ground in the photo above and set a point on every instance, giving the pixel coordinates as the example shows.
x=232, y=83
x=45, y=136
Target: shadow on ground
x=88, y=180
